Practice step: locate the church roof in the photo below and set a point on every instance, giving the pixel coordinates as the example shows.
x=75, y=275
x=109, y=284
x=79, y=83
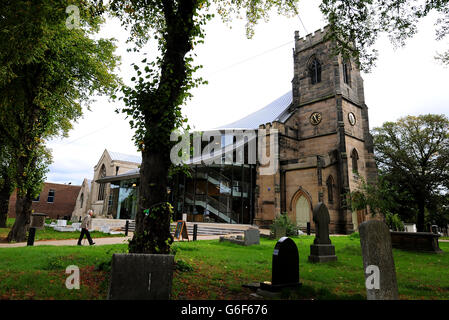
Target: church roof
x=117, y=156
x=133, y=173
x=275, y=111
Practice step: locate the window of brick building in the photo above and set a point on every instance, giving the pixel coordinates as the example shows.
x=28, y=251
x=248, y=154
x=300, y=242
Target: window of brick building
x=51, y=196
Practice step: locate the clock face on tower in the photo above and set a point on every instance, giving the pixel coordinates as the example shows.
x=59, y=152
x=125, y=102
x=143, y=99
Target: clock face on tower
x=352, y=119
x=315, y=118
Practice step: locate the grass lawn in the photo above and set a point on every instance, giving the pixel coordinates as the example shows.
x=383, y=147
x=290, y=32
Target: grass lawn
x=50, y=234
x=219, y=270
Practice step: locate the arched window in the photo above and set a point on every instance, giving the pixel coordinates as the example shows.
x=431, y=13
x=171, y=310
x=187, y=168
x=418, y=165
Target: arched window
x=81, y=200
x=347, y=72
x=330, y=189
x=315, y=71
x=355, y=158
x=102, y=185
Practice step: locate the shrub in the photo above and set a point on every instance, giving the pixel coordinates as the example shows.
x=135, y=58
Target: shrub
x=394, y=222
x=283, y=221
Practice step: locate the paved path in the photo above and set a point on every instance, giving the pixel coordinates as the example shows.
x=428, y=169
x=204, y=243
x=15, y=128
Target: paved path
x=98, y=241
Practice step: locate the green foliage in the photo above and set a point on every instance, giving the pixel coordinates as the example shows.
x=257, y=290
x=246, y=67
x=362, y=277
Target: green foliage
x=284, y=221
x=354, y=236
x=381, y=196
x=48, y=72
x=413, y=154
x=183, y=266
x=394, y=222
x=355, y=25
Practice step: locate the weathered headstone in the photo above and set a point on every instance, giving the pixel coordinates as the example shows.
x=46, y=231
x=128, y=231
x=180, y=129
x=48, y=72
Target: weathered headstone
x=279, y=231
x=141, y=277
x=322, y=250
x=378, y=263
x=285, y=268
x=252, y=236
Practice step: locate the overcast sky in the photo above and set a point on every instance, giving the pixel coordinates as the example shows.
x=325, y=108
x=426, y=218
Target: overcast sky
x=246, y=75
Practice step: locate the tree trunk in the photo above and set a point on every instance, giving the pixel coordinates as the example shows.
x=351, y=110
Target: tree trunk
x=19, y=230
x=5, y=194
x=420, y=218
x=24, y=201
x=152, y=234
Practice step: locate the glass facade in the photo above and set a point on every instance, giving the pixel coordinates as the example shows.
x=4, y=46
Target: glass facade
x=215, y=193
x=123, y=200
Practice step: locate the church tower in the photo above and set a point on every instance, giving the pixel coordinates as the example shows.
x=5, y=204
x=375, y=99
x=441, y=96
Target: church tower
x=324, y=140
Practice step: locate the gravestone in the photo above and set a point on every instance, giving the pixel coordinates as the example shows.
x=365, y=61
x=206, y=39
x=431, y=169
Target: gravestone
x=279, y=232
x=141, y=276
x=378, y=262
x=252, y=236
x=285, y=266
x=322, y=250
x=61, y=223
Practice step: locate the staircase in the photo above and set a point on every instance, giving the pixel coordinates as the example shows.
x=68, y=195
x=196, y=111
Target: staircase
x=215, y=207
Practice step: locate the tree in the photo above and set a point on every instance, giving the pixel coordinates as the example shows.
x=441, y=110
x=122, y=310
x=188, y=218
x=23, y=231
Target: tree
x=49, y=68
x=6, y=180
x=414, y=153
x=380, y=197
x=162, y=86
x=355, y=25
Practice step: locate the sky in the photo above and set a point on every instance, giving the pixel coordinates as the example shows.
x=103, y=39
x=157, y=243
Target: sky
x=245, y=75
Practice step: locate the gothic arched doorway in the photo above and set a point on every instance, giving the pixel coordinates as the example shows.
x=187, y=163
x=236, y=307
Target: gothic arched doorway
x=302, y=210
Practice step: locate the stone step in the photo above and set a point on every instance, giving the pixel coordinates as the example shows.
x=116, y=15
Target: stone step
x=202, y=230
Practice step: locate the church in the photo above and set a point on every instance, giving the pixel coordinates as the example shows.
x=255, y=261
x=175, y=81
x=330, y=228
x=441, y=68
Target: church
x=324, y=150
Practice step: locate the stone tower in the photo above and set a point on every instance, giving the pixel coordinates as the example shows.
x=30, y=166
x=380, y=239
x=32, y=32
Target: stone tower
x=324, y=140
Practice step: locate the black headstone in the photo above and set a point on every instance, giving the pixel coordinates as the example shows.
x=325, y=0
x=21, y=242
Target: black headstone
x=285, y=268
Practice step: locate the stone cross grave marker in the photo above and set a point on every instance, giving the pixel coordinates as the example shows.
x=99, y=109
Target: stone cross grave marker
x=285, y=268
x=378, y=263
x=322, y=250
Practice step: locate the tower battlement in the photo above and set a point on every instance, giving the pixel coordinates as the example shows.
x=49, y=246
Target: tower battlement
x=302, y=43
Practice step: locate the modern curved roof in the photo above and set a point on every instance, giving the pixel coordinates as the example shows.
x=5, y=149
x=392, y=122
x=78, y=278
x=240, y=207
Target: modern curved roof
x=272, y=112
x=125, y=157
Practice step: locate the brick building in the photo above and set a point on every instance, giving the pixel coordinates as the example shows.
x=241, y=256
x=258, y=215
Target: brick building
x=54, y=200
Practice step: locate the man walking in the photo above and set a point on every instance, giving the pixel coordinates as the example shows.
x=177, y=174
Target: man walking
x=85, y=226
